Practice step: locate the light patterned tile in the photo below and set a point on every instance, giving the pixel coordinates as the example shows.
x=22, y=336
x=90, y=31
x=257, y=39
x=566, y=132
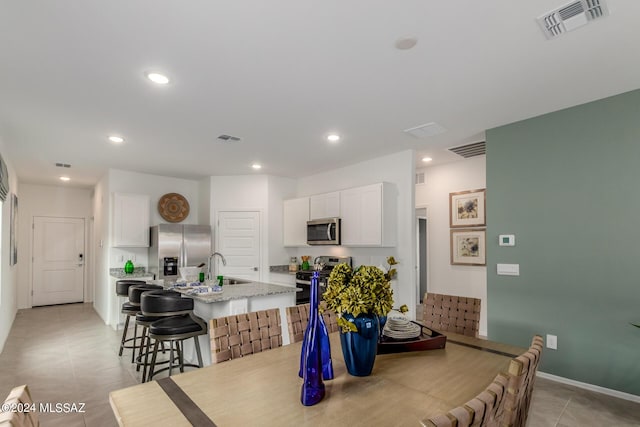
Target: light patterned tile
x=595, y=409
x=62, y=420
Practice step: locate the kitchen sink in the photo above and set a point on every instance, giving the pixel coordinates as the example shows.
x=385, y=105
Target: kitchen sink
x=233, y=281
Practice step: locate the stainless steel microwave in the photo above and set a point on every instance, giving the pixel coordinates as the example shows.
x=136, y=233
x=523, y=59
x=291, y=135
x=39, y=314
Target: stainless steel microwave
x=323, y=231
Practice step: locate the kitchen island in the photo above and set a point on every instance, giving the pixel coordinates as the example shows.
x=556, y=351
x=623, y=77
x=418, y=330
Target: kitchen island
x=237, y=299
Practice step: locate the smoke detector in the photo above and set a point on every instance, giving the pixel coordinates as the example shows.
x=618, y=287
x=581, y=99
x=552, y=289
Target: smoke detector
x=571, y=16
x=228, y=138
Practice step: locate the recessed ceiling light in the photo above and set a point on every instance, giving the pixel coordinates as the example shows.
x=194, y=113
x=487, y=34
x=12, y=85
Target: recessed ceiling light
x=65, y=178
x=333, y=137
x=426, y=159
x=116, y=139
x=256, y=166
x=405, y=43
x=158, y=78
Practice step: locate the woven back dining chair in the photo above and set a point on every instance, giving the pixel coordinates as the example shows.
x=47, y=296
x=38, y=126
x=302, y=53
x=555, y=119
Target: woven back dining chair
x=298, y=318
x=452, y=313
x=522, y=375
x=244, y=334
x=484, y=410
x=18, y=398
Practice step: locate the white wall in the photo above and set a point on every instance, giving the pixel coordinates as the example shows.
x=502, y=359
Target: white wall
x=100, y=257
x=398, y=169
x=204, y=197
x=280, y=189
x=51, y=201
x=444, y=278
x=8, y=274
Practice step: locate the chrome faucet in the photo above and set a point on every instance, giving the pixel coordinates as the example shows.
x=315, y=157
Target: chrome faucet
x=224, y=262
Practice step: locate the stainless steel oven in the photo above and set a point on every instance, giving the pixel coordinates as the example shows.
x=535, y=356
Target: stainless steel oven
x=323, y=231
x=303, y=278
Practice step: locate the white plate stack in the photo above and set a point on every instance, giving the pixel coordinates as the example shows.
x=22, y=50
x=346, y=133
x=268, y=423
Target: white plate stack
x=399, y=327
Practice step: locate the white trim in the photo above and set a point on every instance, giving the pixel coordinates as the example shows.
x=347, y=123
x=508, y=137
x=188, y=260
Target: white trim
x=590, y=387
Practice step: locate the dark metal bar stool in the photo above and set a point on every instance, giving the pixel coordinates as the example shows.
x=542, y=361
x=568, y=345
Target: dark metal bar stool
x=178, y=323
x=135, y=293
x=122, y=290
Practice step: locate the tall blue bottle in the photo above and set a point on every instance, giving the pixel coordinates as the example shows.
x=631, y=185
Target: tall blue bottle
x=325, y=345
x=312, y=390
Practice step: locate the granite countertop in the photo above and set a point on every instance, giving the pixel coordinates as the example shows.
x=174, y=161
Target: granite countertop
x=242, y=290
x=119, y=273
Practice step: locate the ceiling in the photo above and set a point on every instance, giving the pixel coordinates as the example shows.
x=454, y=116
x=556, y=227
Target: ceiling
x=280, y=75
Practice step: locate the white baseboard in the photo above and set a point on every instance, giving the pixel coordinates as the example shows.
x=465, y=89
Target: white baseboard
x=590, y=387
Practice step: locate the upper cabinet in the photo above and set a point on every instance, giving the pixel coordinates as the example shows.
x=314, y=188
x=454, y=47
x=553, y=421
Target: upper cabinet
x=324, y=205
x=295, y=216
x=368, y=215
x=130, y=220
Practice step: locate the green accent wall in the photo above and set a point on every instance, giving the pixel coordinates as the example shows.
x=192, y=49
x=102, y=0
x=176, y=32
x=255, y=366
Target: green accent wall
x=567, y=184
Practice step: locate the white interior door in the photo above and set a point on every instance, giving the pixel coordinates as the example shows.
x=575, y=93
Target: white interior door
x=238, y=240
x=58, y=260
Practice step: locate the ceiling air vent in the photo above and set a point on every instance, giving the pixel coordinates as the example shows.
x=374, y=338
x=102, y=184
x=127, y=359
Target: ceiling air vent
x=470, y=150
x=228, y=138
x=63, y=165
x=420, y=178
x=571, y=16
x=426, y=130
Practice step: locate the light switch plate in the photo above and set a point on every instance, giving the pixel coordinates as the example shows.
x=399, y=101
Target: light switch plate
x=508, y=269
x=507, y=240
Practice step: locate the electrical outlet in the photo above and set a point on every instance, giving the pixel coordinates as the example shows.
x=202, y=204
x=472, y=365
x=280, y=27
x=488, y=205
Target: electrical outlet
x=133, y=258
x=552, y=342
x=120, y=258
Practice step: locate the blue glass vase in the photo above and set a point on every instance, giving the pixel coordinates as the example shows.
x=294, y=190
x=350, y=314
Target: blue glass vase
x=382, y=320
x=325, y=345
x=359, y=348
x=312, y=390
x=325, y=350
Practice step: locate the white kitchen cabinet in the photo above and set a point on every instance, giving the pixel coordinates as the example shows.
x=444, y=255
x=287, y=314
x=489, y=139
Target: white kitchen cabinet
x=368, y=215
x=295, y=217
x=130, y=220
x=325, y=205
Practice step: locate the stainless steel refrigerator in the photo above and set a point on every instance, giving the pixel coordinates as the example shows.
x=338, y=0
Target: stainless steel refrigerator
x=177, y=245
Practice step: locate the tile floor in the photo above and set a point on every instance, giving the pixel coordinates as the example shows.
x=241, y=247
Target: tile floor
x=66, y=354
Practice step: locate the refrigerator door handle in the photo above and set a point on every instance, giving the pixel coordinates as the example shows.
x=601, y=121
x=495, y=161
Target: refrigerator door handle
x=183, y=255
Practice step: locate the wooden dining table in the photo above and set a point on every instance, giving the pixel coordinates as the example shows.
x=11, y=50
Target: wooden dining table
x=264, y=389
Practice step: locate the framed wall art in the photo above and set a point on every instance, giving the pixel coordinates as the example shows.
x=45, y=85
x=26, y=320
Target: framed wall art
x=467, y=208
x=468, y=246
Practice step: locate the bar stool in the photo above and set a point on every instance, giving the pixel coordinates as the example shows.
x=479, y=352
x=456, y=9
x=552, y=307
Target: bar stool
x=122, y=290
x=178, y=323
x=135, y=292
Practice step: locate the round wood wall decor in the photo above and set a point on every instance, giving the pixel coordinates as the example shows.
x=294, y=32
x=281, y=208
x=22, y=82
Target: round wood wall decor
x=173, y=207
